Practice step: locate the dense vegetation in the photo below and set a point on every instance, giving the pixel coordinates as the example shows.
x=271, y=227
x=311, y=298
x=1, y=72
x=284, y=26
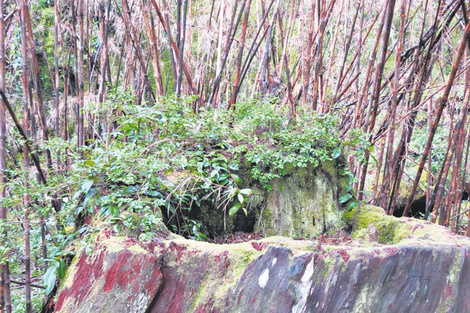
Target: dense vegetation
x=104, y=103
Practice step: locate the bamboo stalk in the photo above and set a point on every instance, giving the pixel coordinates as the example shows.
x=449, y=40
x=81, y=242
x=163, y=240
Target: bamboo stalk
x=181, y=41
x=236, y=81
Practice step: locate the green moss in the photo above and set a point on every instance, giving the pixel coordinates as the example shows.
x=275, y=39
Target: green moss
x=402, y=231
x=393, y=230
x=348, y=216
x=390, y=229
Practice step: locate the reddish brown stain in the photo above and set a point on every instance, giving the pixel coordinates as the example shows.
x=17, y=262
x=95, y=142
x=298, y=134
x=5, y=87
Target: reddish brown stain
x=154, y=283
x=83, y=280
x=391, y=251
x=222, y=257
x=449, y=291
x=259, y=245
x=121, y=272
x=344, y=254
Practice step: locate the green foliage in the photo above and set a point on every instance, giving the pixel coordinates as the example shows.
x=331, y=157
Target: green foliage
x=128, y=176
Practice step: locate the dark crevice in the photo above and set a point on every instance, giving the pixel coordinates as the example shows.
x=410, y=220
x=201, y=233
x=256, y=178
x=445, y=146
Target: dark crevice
x=418, y=206
x=154, y=301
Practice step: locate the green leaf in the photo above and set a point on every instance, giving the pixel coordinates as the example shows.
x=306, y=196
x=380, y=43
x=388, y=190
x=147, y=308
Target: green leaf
x=86, y=186
x=202, y=235
x=61, y=269
x=345, y=198
x=233, y=210
x=219, y=160
x=50, y=277
x=352, y=205
x=246, y=212
x=89, y=163
x=246, y=192
x=200, y=166
x=374, y=159
x=237, y=179
x=114, y=210
x=240, y=198
x=76, y=195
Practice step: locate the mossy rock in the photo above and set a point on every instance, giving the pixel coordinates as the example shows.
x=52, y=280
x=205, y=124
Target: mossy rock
x=390, y=229
x=304, y=203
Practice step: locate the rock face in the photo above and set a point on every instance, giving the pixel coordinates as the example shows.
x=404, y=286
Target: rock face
x=118, y=277
x=304, y=203
x=426, y=269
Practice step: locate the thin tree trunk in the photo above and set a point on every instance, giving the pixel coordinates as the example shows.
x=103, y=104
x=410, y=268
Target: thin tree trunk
x=264, y=66
x=24, y=54
x=255, y=46
x=346, y=53
x=170, y=39
x=126, y=16
x=284, y=59
x=178, y=22
x=332, y=50
x=236, y=81
x=80, y=76
x=181, y=48
x=149, y=24
x=454, y=143
x=219, y=39
x=27, y=255
x=379, y=168
x=5, y=300
x=227, y=48
x=103, y=23
x=176, y=50
x=306, y=48
x=455, y=182
x=463, y=185
x=422, y=73
x=56, y=76
x=23, y=134
x=357, y=121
